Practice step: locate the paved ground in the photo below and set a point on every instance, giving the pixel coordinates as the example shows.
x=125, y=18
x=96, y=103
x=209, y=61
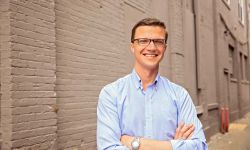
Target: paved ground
x=238, y=137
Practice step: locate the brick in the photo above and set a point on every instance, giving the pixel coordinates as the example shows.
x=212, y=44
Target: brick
x=77, y=105
x=31, y=34
x=31, y=12
x=33, y=49
x=32, y=109
x=38, y=142
x=33, y=79
x=76, y=111
x=79, y=136
x=35, y=132
x=65, y=100
x=33, y=117
x=73, y=144
x=31, y=42
x=34, y=124
x=32, y=72
x=32, y=57
x=31, y=63
x=75, y=130
x=75, y=124
x=77, y=117
x=33, y=94
x=32, y=87
x=35, y=6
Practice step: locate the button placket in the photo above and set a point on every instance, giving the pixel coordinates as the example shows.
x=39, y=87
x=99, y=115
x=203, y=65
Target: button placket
x=148, y=113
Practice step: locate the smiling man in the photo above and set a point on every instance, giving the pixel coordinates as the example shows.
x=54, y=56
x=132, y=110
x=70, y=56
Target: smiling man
x=143, y=110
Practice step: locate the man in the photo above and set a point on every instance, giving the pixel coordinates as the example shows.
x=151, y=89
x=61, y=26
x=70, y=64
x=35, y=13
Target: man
x=143, y=110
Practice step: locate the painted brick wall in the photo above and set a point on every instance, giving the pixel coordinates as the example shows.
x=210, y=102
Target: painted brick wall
x=5, y=69
x=90, y=54
x=176, y=41
x=59, y=55
x=28, y=76
x=56, y=55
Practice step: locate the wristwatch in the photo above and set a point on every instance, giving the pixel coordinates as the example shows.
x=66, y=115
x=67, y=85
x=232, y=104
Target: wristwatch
x=135, y=144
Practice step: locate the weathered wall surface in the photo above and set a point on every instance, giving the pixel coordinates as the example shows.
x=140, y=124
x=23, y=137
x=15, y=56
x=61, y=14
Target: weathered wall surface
x=28, y=64
x=56, y=55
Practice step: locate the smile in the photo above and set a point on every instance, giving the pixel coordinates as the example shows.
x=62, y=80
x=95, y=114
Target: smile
x=150, y=55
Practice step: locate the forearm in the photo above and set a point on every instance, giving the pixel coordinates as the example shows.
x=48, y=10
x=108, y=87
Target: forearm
x=189, y=144
x=148, y=144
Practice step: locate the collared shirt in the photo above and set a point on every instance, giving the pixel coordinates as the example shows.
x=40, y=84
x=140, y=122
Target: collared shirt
x=124, y=108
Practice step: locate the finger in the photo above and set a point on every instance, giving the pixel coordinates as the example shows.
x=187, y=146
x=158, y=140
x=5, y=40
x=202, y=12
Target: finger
x=184, y=131
x=177, y=132
x=188, y=134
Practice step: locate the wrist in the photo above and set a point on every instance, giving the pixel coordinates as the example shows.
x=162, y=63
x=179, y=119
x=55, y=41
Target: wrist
x=135, y=144
x=126, y=140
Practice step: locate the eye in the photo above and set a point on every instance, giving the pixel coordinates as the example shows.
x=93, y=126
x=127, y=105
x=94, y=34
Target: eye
x=143, y=41
x=159, y=41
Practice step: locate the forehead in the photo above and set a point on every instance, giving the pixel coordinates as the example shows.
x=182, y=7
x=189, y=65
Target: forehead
x=150, y=32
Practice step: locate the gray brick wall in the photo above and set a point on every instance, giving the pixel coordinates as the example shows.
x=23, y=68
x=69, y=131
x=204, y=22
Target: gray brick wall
x=28, y=76
x=176, y=40
x=56, y=55
x=5, y=70
x=90, y=54
x=61, y=53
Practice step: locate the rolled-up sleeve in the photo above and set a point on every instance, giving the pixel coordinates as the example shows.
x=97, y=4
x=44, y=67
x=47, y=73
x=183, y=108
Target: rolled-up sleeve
x=187, y=114
x=108, y=130
x=194, y=144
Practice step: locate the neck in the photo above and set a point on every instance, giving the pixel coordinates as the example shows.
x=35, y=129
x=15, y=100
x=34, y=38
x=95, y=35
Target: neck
x=147, y=76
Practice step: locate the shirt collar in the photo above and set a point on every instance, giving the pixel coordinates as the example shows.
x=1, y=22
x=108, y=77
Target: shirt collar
x=137, y=80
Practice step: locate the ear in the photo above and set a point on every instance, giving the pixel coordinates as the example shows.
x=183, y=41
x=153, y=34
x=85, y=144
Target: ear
x=132, y=47
x=166, y=47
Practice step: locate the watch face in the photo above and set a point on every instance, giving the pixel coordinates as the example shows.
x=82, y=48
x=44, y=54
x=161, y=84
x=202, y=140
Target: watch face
x=135, y=144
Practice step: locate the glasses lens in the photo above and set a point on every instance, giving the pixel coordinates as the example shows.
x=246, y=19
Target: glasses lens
x=143, y=42
x=159, y=42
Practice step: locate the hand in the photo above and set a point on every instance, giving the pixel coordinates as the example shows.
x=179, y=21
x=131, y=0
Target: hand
x=126, y=140
x=184, y=131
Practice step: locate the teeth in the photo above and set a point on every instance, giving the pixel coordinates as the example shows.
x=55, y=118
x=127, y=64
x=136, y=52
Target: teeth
x=150, y=55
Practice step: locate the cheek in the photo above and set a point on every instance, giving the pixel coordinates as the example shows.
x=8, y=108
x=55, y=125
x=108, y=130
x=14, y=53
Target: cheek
x=163, y=51
x=132, y=50
x=136, y=52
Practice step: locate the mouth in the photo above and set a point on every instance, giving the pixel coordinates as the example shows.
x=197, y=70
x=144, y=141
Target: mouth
x=150, y=55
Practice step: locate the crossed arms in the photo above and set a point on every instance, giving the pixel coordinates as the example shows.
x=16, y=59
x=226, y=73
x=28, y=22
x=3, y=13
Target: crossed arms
x=183, y=132
x=110, y=137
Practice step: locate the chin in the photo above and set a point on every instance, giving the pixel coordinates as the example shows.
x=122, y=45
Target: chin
x=151, y=66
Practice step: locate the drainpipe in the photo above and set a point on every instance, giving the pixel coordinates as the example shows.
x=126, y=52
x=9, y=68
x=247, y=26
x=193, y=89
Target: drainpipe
x=217, y=72
x=248, y=44
x=197, y=44
x=200, y=84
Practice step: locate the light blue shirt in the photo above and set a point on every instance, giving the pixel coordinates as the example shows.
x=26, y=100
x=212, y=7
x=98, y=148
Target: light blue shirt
x=124, y=108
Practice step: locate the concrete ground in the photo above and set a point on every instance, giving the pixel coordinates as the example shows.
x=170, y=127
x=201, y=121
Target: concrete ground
x=238, y=137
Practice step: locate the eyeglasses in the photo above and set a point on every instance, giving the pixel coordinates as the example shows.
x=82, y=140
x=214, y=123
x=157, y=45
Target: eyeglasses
x=145, y=42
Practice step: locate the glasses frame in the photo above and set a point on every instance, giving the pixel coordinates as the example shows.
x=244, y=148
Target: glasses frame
x=150, y=40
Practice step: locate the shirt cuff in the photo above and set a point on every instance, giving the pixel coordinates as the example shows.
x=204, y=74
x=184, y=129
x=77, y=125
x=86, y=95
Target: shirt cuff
x=176, y=143
x=121, y=148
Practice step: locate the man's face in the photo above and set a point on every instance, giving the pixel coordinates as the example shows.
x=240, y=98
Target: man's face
x=148, y=53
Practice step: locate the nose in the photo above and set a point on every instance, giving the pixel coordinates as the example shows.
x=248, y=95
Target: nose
x=151, y=45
